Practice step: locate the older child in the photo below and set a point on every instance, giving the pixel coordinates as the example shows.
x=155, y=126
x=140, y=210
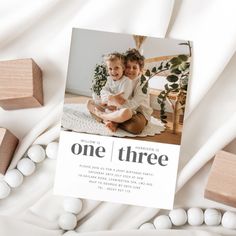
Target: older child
x=117, y=85
x=139, y=102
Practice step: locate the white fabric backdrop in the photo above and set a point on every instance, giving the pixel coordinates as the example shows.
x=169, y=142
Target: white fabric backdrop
x=42, y=30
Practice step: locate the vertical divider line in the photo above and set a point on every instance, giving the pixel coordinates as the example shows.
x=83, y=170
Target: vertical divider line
x=112, y=150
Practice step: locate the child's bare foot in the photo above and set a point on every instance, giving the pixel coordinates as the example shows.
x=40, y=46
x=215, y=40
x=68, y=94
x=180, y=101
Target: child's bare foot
x=93, y=110
x=111, y=125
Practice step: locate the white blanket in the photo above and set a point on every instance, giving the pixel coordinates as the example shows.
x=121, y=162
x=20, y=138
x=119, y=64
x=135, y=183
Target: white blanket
x=42, y=30
x=76, y=117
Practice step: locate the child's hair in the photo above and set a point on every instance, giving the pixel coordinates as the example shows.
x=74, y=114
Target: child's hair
x=115, y=56
x=134, y=56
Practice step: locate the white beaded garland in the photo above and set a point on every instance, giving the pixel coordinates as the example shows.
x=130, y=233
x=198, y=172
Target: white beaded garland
x=4, y=189
x=229, y=220
x=51, y=150
x=72, y=205
x=195, y=216
x=162, y=222
x=36, y=153
x=26, y=166
x=178, y=217
x=147, y=226
x=67, y=221
x=14, y=178
x=212, y=217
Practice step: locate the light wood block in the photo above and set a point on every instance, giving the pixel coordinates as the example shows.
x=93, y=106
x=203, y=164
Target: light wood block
x=221, y=186
x=8, y=144
x=20, y=84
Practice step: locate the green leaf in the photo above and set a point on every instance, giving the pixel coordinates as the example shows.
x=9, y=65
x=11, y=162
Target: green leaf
x=174, y=67
x=144, y=89
x=174, y=86
x=187, y=65
x=163, y=117
x=167, y=65
x=161, y=66
x=185, y=87
x=172, y=78
x=154, y=69
x=143, y=79
x=148, y=73
x=183, y=57
x=176, y=71
x=175, y=61
x=166, y=87
x=175, y=90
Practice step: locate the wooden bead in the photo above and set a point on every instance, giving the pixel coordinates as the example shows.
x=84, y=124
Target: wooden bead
x=221, y=185
x=8, y=144
x=20, y=84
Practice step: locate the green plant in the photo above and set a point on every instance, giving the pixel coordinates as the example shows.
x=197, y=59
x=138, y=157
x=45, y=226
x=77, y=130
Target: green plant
x=177, y=84
x=99, y=78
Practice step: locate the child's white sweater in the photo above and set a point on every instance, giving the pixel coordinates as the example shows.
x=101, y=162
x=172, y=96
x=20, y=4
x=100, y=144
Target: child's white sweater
x=113, y=87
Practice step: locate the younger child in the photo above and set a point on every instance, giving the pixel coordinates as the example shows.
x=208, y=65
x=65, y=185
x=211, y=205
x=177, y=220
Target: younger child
x=117, y=85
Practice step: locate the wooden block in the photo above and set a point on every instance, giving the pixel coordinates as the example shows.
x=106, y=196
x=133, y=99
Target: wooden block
x=221, y=186
x=20, y=84
x=8, y=144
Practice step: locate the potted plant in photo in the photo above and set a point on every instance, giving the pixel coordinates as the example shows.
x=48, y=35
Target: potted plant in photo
x=98, y=81
x=175, y=89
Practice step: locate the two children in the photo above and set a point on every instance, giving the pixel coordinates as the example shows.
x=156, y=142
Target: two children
x=123, y=102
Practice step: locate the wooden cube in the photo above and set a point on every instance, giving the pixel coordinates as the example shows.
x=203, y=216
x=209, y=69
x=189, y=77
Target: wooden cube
x=20, y=84
x=221, y=186
x=8, y=144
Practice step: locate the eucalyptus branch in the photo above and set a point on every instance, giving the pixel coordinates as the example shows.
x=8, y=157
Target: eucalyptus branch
x=170, y=103
x=156, y=73
x=190, y=48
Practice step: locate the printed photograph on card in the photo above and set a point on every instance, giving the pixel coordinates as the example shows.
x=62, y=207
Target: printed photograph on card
x=122, y=118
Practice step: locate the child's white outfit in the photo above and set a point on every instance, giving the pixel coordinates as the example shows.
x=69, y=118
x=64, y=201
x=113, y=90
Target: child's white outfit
x=113, y=87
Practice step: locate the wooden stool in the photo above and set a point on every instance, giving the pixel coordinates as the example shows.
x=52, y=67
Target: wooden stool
x=8, y=144
x=221, y=186
x=20, y=84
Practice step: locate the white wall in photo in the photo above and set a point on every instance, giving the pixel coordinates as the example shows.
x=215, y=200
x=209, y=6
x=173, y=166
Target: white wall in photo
x=88, y=47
